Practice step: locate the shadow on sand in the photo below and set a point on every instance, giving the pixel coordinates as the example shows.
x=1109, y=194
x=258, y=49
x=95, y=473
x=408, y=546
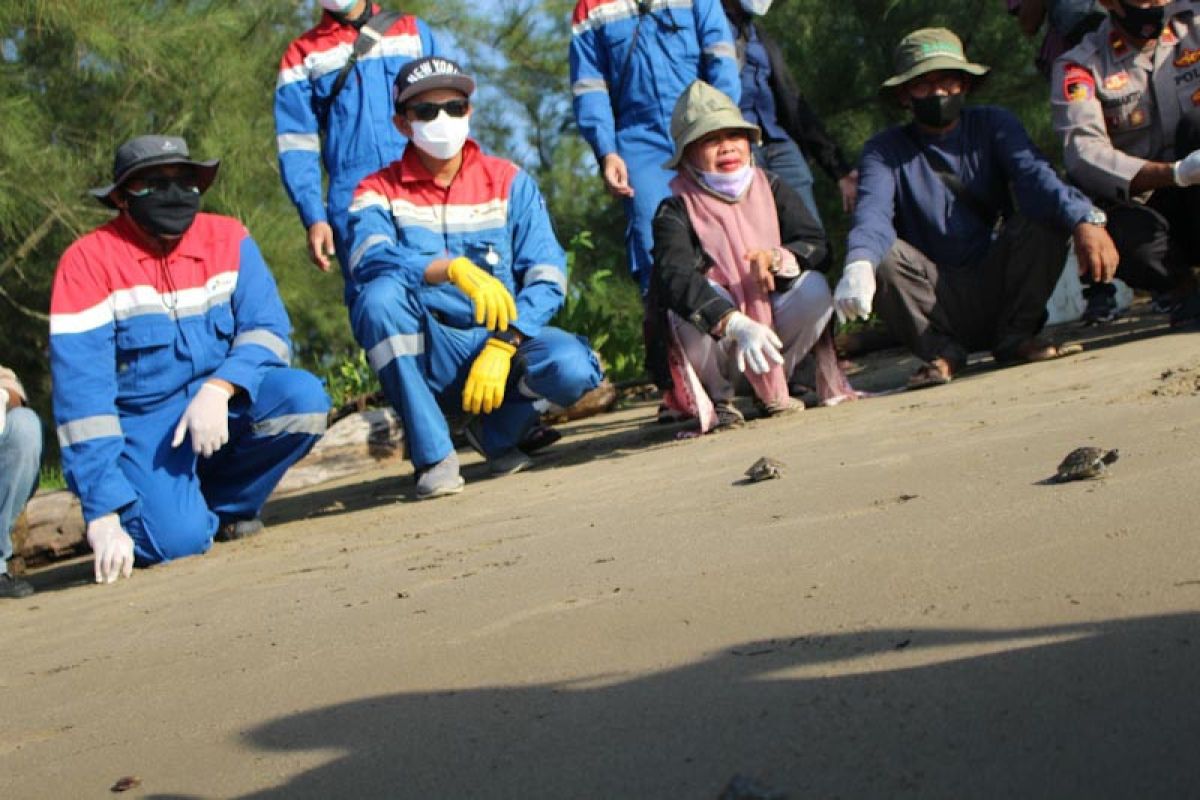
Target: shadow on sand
x=1099, y=710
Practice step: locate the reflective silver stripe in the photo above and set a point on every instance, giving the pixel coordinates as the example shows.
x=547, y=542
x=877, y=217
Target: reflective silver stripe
x=264, y=338
x=546, y=273
x=393, y=347
x=722, y=50
x=361, y=250
x=287, y=142
x=79, y=431
x=585, y=85
x=313, y=424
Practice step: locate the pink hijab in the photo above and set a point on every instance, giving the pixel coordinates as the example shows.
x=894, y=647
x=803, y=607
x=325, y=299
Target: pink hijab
x=727, y=231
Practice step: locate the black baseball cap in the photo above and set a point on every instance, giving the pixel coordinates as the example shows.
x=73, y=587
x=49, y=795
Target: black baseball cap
x=431, y=72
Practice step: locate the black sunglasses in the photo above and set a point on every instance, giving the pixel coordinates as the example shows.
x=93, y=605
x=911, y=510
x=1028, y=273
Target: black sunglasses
x=427, y=112
x=145, y=186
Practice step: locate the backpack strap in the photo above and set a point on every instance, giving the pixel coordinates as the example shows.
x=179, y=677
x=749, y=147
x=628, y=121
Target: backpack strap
x=368, y=36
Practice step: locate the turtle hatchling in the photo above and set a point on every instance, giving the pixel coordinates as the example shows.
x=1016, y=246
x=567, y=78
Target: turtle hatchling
x=1083, y=463
x=765, y=469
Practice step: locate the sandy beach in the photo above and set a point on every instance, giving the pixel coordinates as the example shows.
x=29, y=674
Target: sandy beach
x=910, y=611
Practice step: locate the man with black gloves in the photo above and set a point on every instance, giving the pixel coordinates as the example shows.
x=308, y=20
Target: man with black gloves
x=1127, y=104
x=177, y=412
x=958, y=269
x=772, y=101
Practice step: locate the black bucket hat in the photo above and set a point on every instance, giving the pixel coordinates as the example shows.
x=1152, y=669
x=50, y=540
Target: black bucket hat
x=151, y=151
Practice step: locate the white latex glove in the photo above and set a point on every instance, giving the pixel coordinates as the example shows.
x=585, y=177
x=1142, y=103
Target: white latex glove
x=855, y=291
x=757, y=345
x=1187, y=169
x=207, y=419
x=3, y=410
x=113, y=548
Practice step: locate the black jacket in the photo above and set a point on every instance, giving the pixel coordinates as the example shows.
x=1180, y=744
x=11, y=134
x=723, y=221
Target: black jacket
x=796, y=116
x=679, y=281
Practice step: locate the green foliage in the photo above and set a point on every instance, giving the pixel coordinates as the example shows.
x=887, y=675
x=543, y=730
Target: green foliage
x=606, y=309
x=50, y=478
x=350, y=379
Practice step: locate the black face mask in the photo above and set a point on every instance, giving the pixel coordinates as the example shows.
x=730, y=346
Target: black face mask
x=165, y=212
x=1140, y=23
x=937, y=110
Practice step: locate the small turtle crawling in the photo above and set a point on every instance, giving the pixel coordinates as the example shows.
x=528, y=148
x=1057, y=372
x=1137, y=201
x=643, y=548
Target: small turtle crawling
x=765, y=469
x=1083, y=463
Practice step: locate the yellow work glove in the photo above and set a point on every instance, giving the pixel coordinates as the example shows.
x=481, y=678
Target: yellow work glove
x=484, y=391
x=494, y=306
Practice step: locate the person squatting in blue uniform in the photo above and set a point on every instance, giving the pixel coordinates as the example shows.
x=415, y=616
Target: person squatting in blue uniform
x=630, y=61
x=166, y=328
x=343, y=121
x=441, y=242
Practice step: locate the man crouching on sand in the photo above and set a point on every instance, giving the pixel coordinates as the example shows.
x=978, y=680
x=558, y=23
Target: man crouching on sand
x=457, y=273
x=169, y=345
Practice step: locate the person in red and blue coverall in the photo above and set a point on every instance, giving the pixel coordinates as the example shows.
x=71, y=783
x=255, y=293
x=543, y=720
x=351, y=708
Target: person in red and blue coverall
x=177, y=412
x=459, y=274
x=351, y=134
x=630, y=61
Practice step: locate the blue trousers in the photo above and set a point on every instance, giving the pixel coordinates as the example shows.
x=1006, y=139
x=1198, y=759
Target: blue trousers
x=20, y=458
x=785, y=159
x=644, y=149
x=423, y=363
x=182, y=498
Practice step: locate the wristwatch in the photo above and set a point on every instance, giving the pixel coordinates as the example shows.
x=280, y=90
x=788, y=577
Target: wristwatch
x=1095, y=217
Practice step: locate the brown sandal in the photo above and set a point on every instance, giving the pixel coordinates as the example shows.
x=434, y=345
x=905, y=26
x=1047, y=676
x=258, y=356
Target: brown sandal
x=1037, y=349
x=937, y=372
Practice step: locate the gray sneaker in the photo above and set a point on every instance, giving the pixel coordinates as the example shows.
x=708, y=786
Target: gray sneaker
x=441, y=479
x=511, y=462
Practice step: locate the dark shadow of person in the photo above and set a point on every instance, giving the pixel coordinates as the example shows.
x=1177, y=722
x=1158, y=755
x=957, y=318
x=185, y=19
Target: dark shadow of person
x=1098, y=710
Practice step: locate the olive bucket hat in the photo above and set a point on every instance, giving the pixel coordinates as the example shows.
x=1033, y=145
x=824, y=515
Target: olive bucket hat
x=149, y=151
x=700, y=110
x=929, y=50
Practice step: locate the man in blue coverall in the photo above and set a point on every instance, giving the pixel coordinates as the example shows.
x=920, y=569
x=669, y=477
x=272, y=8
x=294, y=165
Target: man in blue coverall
x=166, y=327
x=630, y=61
x=959, y=270
x=459, y=274
x=350, y=133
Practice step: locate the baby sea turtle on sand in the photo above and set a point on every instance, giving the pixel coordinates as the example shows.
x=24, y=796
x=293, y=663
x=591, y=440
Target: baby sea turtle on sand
x=1083, y=463
x=765, y=469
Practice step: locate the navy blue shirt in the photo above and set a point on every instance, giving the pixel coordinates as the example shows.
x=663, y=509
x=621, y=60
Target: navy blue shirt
x=758, y=101
x=900, y=196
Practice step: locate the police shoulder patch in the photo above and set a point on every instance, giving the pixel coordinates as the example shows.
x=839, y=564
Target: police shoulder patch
x=1078, y=83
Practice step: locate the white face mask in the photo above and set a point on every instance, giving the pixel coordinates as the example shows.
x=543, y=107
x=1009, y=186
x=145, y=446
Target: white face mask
x=443, y=136
x=338, y=6
x=756, y=8
x=729, y=185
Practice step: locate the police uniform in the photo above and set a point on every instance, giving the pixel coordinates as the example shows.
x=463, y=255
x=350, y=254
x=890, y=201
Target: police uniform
x=1118, y=108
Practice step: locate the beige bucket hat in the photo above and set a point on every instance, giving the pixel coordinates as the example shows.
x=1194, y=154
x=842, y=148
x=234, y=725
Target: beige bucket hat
x=700, y=110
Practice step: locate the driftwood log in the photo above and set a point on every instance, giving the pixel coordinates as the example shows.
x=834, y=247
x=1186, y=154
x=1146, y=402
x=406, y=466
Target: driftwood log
x=353, y=444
